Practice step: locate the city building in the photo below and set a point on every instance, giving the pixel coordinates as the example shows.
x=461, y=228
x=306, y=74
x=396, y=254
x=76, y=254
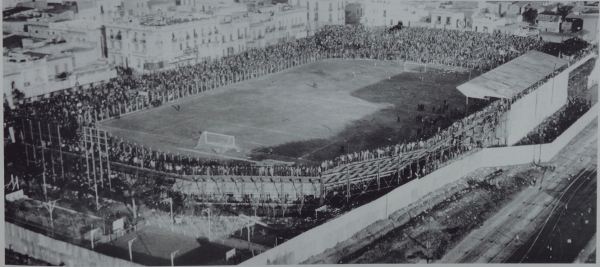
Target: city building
x=320, y=13
x=456, y=19
x=583, y=18
x=389, y=13
x=548, y=23
x=276, y=24
x=196, y=31
x=42, y=68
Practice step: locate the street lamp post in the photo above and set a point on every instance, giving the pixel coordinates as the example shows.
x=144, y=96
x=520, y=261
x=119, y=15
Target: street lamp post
x=129, y=245
x=92, y=237
x=170, y=200
x=50, y=207
x=207, y=210
x=173, y=257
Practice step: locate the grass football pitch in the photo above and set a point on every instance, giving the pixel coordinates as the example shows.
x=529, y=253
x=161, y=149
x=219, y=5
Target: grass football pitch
x=363, y=104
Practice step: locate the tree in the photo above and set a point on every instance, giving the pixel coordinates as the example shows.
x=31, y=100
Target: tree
x=530, y=15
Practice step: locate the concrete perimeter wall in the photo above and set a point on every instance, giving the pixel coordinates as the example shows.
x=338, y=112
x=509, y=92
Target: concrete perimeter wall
x=529, y=111
x=54, y=251
x=327, y=235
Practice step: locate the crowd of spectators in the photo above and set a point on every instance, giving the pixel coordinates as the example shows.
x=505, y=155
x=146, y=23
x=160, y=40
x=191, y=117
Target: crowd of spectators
x=556, y=124
x=437, y=46
x=130, y=92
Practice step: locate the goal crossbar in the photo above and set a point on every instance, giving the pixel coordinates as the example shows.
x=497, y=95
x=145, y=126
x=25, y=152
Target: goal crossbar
x=209, y=139
x=415, y=66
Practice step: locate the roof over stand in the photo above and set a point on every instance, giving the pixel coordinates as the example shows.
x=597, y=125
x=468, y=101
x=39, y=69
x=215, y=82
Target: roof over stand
x=512, y=77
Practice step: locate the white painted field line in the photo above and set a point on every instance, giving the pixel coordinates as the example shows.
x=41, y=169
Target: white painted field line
x=140, y=132
x=319, y=149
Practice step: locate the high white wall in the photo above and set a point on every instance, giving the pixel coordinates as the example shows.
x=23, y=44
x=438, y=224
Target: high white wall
x=531, y=110
x=329, y=234
x=55, y=251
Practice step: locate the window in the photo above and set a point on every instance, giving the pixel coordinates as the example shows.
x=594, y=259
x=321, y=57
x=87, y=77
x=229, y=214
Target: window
x=330, y=7
x=66, y=67
x=384, y=13
x=330, y=18
x=180, y=46
x=447, y=20
x=317, y=6
x=439, y=18
x=307, y=16
x=316, y=16
x=307, y=5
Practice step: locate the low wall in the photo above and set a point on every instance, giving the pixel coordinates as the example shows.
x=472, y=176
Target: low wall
x=327, y=235
x=54, y=251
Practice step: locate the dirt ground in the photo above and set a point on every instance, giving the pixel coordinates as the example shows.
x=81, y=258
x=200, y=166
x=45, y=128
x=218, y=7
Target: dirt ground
x=442, y=222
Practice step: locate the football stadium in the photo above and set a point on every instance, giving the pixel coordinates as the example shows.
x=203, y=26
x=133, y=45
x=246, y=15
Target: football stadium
x=405, y=139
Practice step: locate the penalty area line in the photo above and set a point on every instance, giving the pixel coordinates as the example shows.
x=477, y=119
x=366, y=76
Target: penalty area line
x=213, y=154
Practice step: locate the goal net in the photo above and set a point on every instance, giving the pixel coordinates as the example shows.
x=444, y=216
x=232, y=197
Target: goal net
x=415, y=67
x=219, y=143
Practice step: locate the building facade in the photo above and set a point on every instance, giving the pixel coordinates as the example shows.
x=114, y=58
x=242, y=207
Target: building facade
x=455, y=19
x=389, y=13
x=320, y=13
x=164, y=40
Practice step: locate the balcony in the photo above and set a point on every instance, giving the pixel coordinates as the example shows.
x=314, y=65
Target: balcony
x=119, y=37
x=282, y=28
x=174, y=40
x=298, y=25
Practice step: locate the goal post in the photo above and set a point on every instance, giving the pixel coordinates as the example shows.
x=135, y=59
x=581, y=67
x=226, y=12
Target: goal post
x=218, y=142
x=415, y=67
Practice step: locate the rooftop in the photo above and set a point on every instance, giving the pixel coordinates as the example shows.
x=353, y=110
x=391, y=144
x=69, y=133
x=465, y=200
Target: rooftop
x=15, y=10
x=513, y=77
x=12, y=42
x=59, y=9
x=548, y=17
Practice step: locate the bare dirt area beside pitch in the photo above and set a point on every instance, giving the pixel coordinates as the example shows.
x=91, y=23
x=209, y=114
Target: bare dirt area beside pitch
x=459, y=223
x=354, y=100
